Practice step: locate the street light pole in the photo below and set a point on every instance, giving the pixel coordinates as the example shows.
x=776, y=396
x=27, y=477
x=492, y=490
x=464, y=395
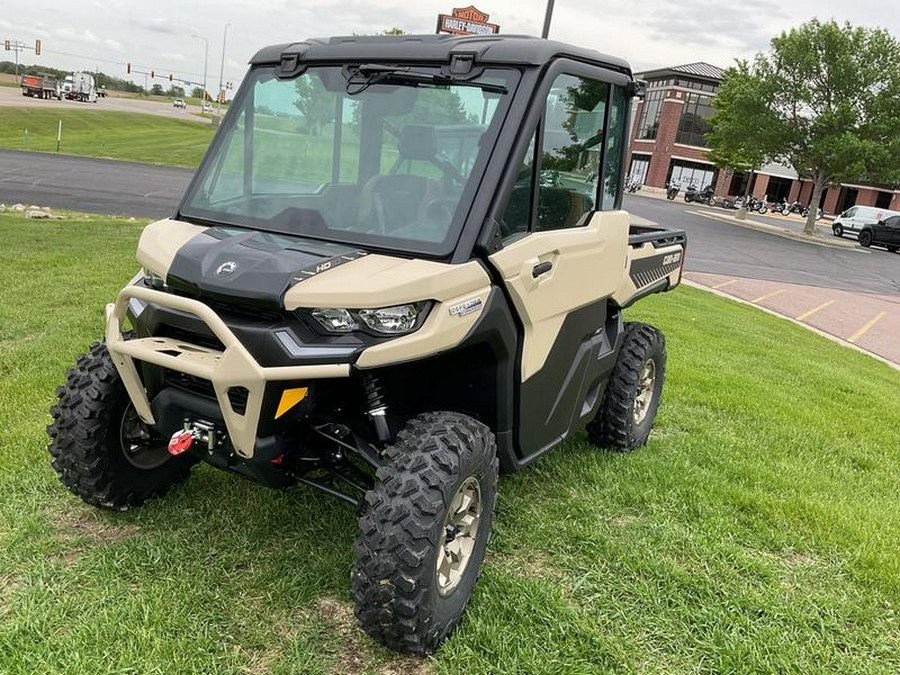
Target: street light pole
x=221, y=74
x=205, y=62
x=547, y=17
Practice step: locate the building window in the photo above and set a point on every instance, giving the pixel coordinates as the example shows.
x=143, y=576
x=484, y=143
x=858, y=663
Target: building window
x=649, y=124
x=694, y=125
x=685, y=173
x=640, y=164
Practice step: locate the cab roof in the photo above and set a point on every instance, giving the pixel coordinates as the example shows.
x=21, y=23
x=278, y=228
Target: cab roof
x=522, y=50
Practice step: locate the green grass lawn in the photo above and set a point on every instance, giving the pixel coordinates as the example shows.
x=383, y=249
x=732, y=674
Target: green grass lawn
x=117, y=135
x=757, y=533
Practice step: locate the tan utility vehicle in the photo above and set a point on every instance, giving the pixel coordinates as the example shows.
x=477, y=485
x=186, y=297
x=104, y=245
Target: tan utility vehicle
x=400, y=269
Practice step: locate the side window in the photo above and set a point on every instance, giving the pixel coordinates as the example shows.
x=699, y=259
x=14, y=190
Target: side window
x=615, y=151
x=573, y=138
x=518, y=209
x=893, y=222
x=849, y=213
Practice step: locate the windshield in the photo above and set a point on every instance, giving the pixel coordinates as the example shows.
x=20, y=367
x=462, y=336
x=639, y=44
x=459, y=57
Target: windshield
x=387, y=161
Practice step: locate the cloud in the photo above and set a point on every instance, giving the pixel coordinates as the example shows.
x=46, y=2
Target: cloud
x=114, y=44
x=160, y=25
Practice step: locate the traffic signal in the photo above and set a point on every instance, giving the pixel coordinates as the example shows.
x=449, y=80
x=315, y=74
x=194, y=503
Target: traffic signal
x=152, y=74
x=128, y=68
x=7, y=45
x=170, y=77
x=222, y=96
x=37, y=47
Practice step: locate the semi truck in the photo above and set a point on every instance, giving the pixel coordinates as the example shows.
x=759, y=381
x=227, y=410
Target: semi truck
x=81, y=87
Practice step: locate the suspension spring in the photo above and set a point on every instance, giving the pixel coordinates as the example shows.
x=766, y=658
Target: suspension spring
x=376, y=407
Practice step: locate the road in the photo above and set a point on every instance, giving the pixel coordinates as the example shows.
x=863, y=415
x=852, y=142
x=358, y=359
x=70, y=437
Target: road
x=726, y=249
x=11, y=97
x=92, y=185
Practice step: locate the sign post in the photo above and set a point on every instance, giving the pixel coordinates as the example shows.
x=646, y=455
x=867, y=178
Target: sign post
x=466, y=21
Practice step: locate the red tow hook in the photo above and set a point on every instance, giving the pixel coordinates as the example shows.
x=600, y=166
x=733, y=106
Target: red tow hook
x=180, y=442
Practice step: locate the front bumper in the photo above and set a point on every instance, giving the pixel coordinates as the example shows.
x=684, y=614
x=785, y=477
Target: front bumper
x=231, y=368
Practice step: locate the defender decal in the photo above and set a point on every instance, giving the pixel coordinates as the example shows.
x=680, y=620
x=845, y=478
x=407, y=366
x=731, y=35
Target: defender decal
x=466, y=307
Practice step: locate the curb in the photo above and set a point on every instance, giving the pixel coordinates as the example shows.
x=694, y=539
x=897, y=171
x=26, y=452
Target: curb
x=833, y=338
x=781, y=232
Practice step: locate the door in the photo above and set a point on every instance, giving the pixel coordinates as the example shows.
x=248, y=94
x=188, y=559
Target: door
x=890, y=231
x=565, y=242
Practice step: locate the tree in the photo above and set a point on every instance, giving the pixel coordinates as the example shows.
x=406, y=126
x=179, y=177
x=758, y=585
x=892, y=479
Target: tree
x=314, y=102
x=157, y=90
x=822, y=100
x=197, y=92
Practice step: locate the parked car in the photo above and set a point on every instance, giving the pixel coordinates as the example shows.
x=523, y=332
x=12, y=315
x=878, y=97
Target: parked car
x=853, y=219
x=179, y=103
x=883, y=233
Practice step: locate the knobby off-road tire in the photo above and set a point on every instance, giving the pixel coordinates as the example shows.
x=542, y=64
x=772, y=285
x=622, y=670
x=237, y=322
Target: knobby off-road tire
x=432, y=501
x=632, y=395
x=99, y=447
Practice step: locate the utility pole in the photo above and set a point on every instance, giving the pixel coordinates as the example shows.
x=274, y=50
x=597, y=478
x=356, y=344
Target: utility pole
x=547, y=16
x=205, y=61
x=222, y=74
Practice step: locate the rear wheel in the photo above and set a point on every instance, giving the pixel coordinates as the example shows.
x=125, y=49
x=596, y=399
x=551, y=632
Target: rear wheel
x=865, y=238
x=424, y=532
x=99, y=446
x=633, y=393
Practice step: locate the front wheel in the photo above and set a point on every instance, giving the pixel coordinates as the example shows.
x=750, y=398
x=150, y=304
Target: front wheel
x=837, y=230
x=424, y=532
x=865, y=238
x=634, y=390
x=763, y=210
x=99, y=446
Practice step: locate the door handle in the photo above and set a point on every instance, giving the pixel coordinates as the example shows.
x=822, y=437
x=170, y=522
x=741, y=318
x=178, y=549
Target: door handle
x=541, y=268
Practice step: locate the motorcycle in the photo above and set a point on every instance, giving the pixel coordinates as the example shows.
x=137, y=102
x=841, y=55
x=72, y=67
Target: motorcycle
x=672, y=190
x=632, y=185
x=704, y=196
x=757, y=205
x=787, y=208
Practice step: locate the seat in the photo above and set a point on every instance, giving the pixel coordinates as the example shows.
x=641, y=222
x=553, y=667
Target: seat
x=395, y=200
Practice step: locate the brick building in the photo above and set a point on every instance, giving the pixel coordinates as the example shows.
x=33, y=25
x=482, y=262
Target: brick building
x=668, y=143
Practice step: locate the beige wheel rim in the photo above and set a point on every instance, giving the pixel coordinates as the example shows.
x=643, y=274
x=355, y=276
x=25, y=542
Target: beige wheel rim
x=458, y=536
x=644, y=396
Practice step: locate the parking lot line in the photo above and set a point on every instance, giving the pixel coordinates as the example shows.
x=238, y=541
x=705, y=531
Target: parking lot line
x=725, y=283
x=862, y=331
x=808, y=314
x=768, y=295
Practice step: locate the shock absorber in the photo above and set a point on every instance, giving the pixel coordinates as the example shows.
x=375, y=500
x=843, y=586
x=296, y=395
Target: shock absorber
x=376, y=408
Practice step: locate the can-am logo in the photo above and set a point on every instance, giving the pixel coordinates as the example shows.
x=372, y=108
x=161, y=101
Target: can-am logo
x=226, y=268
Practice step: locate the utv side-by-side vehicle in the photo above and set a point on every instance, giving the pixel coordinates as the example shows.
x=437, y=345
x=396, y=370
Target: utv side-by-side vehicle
x=400, y=269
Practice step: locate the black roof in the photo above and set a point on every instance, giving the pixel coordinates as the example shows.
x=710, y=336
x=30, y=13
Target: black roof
x=490, y=49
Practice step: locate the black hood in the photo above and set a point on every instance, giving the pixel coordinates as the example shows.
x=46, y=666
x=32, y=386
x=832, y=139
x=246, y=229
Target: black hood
x=250, y=267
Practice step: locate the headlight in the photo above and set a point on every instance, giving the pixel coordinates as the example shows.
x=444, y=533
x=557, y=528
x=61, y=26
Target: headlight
x=335, y=320
x=396, y=320
x=391, y=320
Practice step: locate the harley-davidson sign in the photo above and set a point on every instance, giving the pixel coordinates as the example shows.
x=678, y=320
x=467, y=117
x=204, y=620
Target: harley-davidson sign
x=466, y=21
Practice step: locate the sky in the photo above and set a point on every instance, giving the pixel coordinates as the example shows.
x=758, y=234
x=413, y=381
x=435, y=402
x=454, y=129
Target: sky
x=158, y=34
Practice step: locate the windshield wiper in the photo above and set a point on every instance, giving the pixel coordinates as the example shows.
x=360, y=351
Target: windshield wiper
x=363, y=76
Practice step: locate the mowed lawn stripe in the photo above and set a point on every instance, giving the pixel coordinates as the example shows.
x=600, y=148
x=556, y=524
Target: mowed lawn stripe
x=116, y=135
x=757, y=532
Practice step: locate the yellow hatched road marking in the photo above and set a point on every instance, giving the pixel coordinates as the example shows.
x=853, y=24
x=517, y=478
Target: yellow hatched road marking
x=769, y=295
x=862, y=331
x=725, y=283
x=808, y=314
